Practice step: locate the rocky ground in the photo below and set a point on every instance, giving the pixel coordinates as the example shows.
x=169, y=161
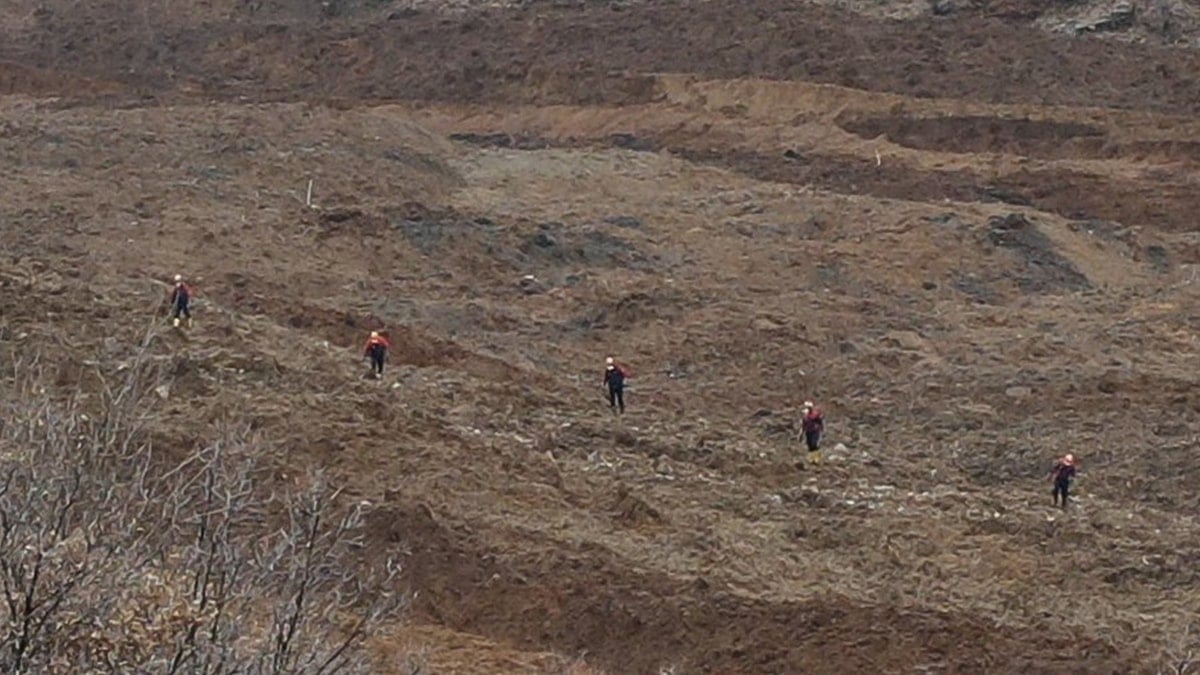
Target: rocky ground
x=968, y=235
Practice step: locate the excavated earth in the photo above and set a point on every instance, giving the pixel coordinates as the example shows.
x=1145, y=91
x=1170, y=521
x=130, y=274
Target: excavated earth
x=970, y=239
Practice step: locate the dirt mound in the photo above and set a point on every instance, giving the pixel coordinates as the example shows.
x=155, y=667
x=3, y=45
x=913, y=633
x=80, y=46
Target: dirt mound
x=18, y=79
x=1071, y=194
x=1045, y=269
x=348, y=329
x=1163, y=196
x=1044, y=139
x=584, y=600
x=1162, y=203
x=973, y=134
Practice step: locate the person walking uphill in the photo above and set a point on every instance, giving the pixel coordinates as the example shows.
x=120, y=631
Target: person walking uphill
x=377, y=346
x=614, y=381
x=181, y=301
x=813, y=424
x=1064, y=473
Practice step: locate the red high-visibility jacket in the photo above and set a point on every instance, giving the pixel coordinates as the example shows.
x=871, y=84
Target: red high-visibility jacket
x=813, y=421
x=380, y=341
x=189, y=292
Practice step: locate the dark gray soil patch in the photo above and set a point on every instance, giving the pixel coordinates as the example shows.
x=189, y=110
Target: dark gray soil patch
x=1043, y=269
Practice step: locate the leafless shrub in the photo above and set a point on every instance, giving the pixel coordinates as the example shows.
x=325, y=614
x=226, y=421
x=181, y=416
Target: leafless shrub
x=115, y=559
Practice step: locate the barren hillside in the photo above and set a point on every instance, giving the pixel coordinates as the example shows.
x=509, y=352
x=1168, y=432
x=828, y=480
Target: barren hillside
x=970, y=238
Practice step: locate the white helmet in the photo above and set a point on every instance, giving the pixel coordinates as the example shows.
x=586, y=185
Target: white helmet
x=374, y=334
x=808, y=405
x=178, y=278
x=608, y=361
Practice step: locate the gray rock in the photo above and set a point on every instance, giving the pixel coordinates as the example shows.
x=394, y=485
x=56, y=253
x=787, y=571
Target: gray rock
x=1018, y=392
x=543, y=240
x=1119, y=17
x=625, y=221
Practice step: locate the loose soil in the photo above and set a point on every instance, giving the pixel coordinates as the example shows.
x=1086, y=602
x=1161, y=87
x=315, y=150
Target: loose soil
x=969, y=239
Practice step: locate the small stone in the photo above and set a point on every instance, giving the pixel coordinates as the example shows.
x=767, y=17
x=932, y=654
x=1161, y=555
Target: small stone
x=629, y=222
x=163, y=391
x=1018, y=392
x=531, y=286
x=405, y=13
x=942, y=7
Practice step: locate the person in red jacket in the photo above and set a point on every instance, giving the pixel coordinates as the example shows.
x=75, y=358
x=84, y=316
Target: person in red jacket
x=813, y=424
x=377, y=346
x=1063, y=474
x=181, y=301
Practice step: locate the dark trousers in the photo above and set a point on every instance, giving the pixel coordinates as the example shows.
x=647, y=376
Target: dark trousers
x=813, y=440
x=616, y=398
x=181, y=308
x=378, y=354
x=1061, y=487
